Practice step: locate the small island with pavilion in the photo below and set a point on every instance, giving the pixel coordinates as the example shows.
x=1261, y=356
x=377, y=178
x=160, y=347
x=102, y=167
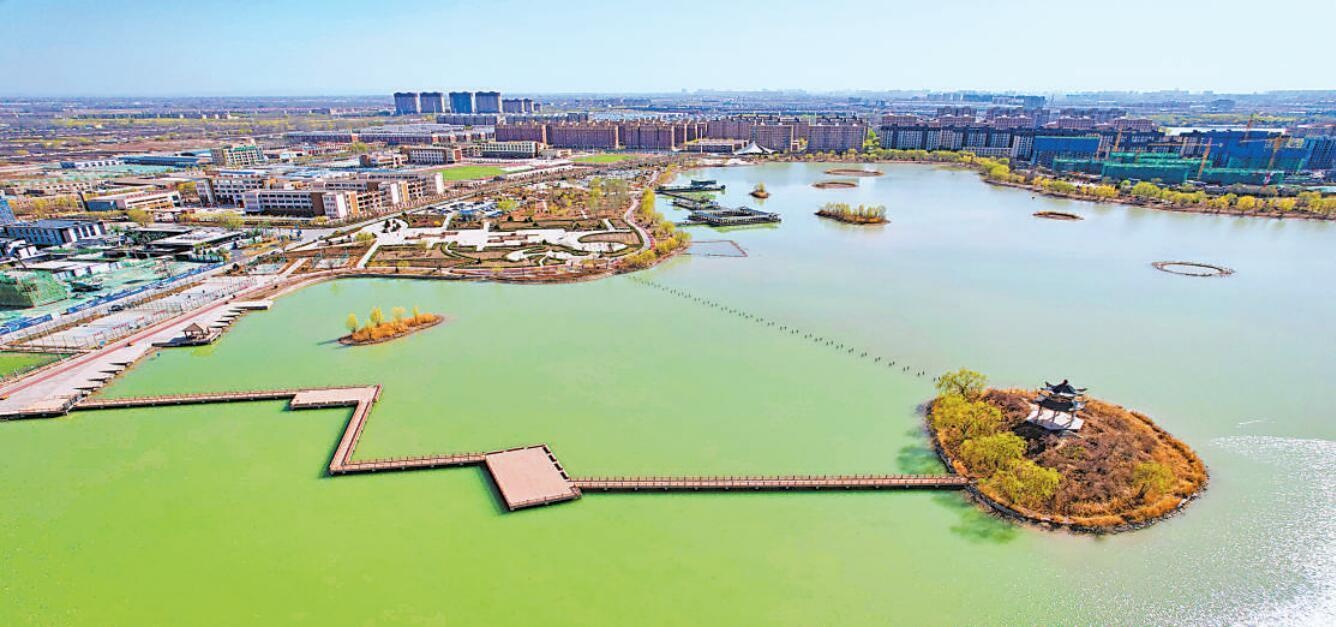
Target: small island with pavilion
x=378, y=329
x=1059, y=459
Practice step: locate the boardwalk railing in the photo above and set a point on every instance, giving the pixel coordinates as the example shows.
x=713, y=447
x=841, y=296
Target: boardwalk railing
x=184, y=399
x=773, y=482
x=408, y=463
x=363, y=398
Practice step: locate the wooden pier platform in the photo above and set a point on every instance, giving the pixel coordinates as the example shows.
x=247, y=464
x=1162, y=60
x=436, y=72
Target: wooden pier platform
x=529, y=477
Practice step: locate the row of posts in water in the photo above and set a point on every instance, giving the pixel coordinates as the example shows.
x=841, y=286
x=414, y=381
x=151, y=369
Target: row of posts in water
x=890, y=363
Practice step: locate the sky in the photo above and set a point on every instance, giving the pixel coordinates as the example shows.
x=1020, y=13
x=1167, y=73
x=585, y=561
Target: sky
x=339, y=47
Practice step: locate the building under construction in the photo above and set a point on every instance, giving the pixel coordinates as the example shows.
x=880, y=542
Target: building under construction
x=30, y=289
x=1167, y=169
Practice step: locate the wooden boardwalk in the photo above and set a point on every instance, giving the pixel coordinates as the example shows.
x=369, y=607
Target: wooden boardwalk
x=526, y=476
x=775, y=482
x=165, y=400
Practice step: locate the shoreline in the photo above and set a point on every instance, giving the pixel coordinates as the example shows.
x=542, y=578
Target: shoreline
x=1119, y=200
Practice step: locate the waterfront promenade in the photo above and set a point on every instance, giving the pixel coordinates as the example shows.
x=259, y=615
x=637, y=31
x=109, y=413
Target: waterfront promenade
x=56, y=388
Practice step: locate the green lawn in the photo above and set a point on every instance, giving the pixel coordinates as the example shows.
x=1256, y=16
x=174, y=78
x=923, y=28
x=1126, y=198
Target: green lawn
x=471, y=172
x=604, y=158
x=12, y=363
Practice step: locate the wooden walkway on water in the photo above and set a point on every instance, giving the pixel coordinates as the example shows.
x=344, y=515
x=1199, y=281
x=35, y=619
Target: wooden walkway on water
x=775, y=482
x=165, y=400
x=526, y=476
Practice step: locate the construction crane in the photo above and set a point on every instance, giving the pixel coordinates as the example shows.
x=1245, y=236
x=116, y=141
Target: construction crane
x=1117, y=139
x=1202, y=168
x=1275, y=148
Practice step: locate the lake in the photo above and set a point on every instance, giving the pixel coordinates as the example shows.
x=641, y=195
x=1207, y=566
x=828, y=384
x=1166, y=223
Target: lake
x=223, y=514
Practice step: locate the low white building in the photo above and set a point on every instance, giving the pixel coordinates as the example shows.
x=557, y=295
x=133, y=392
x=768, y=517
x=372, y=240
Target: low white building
x=147, y=199
x=511, y=150
x=434, y=155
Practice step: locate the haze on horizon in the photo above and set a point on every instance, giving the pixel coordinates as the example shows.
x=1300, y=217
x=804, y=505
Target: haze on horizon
x=333, y=47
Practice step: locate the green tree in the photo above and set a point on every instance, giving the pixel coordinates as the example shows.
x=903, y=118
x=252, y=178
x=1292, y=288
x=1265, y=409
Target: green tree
x=991, y=453
x=139, y=216
x=231, y=221
x=957, y=419
x=377, y=316
x=1152, y=478
x=364, y=237
x=595, y=194
x=965, y=383
x=871, y=143
x=352, y=323
x=1025, y=483
x=1146, y=190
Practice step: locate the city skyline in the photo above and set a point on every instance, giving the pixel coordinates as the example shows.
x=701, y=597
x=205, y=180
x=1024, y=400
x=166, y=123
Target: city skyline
x=345, y=48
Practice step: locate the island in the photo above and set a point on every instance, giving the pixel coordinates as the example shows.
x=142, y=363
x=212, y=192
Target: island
x=854, y=172
x=862, y=214
x=835, y=184
x=1057, y=215
x=378, y=329
x=1054, y=458
x=759, y=191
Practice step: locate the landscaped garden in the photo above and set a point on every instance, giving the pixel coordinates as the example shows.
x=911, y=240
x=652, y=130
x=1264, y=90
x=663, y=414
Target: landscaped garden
x=604, y=158
x=471, y=172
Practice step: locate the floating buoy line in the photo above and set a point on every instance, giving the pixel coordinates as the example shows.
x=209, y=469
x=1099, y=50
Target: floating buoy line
x=788, y=329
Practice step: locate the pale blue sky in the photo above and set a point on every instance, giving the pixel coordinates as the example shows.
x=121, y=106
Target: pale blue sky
x=312, y=47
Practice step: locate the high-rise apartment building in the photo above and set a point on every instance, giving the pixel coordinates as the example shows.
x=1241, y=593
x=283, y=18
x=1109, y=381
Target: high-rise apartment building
x=584, y=135
x=522, y=132
x=431, y=102
x=487, y=102
x=407, y=103
x=516, y=105
x=836, y=137
x=462, y=102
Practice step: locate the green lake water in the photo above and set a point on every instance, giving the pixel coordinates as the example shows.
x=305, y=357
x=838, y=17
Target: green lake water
x=223, y=515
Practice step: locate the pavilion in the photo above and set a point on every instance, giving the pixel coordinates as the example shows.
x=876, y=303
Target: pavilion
x=1056, y=407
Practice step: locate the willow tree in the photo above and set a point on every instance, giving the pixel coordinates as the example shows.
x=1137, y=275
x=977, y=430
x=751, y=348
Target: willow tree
x=964, y=383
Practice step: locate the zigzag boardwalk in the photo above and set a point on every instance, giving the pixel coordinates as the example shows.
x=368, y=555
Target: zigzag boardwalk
x=527, y=476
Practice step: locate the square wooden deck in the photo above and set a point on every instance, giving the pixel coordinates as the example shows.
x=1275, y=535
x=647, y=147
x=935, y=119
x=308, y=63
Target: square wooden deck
x=530, y=476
